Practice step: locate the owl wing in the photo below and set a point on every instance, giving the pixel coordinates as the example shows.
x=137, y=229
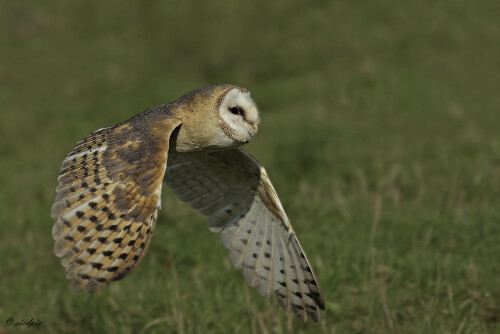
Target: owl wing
x=107, y=200
x=234, y=191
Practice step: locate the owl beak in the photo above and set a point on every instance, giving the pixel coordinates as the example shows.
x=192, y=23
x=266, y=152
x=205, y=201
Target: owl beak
x=254, y=127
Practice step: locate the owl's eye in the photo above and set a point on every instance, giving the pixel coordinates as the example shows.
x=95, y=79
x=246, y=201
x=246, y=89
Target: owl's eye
x=236, y=111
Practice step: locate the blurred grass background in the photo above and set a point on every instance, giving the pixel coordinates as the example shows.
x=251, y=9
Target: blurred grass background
x=380, y=131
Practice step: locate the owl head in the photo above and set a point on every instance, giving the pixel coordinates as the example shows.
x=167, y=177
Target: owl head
x=216, y=116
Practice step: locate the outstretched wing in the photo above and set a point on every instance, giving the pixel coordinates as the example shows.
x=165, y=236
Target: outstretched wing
x=234, y=191
x=107, y=200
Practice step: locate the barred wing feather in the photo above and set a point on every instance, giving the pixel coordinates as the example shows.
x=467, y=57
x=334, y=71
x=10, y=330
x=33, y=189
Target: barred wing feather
x=234, y=191
x=107, y=200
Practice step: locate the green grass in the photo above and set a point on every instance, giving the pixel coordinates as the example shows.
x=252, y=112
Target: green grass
x=380, y=131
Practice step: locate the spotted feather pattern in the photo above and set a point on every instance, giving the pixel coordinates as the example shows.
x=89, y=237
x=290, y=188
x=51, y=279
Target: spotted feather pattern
x=234, y=191
x=107, y=200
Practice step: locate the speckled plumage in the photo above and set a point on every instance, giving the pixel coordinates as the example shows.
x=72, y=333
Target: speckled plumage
x=110, y=187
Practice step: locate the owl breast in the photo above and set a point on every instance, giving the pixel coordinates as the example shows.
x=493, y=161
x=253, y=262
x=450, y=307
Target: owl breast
x=209, y=139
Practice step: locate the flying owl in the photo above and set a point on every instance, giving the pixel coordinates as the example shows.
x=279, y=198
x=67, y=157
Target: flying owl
x=110, y=185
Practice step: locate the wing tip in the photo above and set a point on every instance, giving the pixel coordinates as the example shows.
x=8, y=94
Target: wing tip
x=60, y=247
x=88, y=284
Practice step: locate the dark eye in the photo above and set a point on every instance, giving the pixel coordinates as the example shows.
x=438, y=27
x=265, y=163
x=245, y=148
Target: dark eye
x=236, y=111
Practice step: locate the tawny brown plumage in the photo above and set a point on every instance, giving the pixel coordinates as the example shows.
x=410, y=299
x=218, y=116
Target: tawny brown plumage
x=110, y=187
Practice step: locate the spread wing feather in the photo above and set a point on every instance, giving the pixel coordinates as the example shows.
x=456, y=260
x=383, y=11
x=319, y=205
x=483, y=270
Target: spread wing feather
x=234, y=191
x=107, y=200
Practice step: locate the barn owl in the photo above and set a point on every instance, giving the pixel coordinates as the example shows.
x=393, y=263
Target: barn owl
x=110, y=185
